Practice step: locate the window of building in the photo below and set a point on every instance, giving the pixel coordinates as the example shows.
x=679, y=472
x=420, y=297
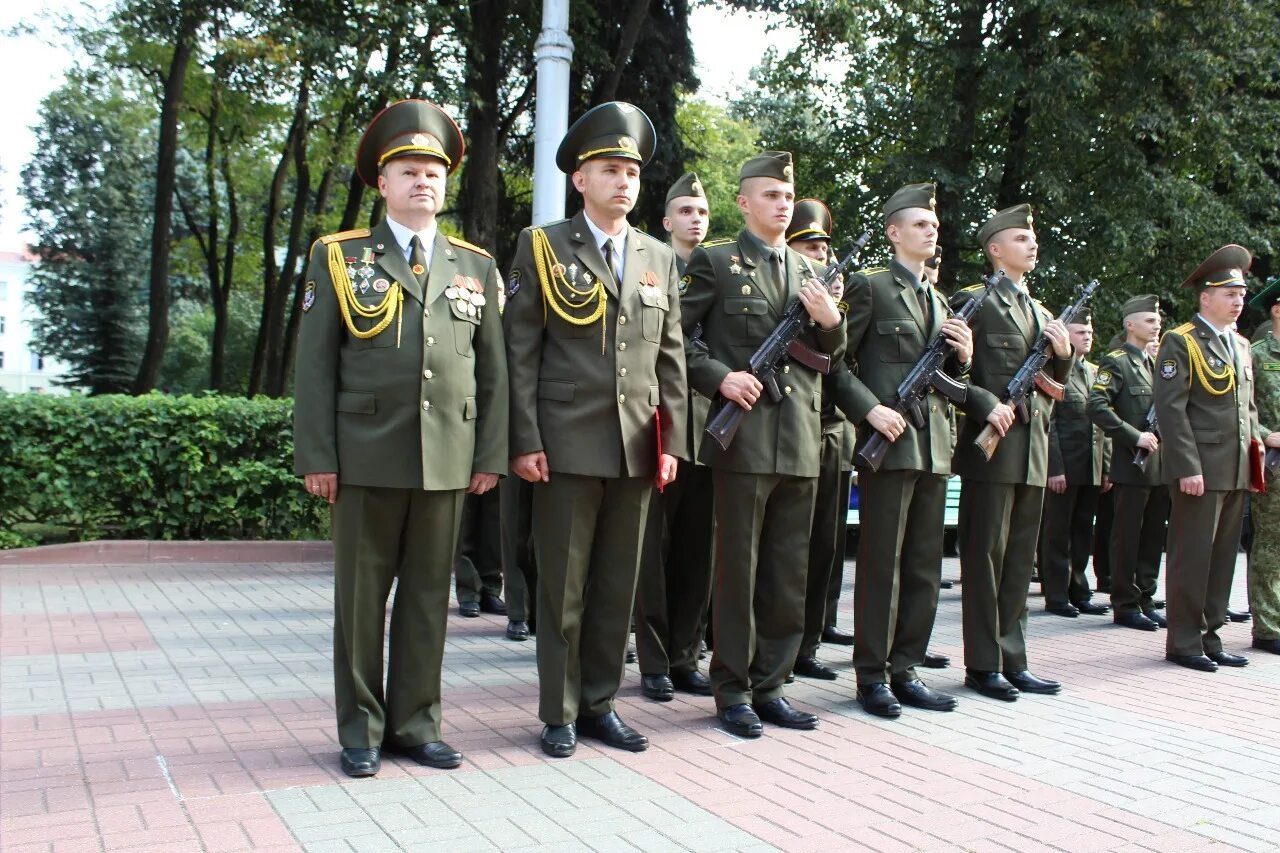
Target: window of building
x=1, y=359
x=37, y=362
x=1, y=324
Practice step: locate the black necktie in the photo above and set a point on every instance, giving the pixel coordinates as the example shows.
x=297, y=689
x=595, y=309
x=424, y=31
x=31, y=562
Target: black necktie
x=418, y=258
x=775, y=272
x=608, y=261
x=1024, y=305
x=926, y=305
x=1228, y=345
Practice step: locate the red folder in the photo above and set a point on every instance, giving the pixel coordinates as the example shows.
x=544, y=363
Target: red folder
x=657, y=425
x=1257, y=476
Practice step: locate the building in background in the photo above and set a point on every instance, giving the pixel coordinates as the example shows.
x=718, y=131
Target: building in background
x=21, y=368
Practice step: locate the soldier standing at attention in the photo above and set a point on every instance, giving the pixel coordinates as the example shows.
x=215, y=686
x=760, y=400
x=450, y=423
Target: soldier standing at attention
x=1001, y=499
x=765, y=483
x=809, y=233
x=1204, y=402
x=598, y=400
x=1120, y=402
x=1264, y=555
x=675, y=582
x=400, y=411
x=893, y=315
x=1079, y=456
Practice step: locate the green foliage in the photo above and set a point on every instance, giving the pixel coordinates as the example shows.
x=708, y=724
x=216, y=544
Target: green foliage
x=153, y=467
x=718, y=144
x=186, y=361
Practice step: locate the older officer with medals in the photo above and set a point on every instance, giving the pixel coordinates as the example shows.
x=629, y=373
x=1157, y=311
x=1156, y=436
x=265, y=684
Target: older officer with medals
x=400, y=411
x=598, y=399
x=1209, y=436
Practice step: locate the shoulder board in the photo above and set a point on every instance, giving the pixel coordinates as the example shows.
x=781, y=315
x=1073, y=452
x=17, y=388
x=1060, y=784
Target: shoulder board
x=463, y=244
x=711, y=244
x=353, y=234
x=1115, y=353
x=871, y=270
x=977, y=286
x=1185, y=327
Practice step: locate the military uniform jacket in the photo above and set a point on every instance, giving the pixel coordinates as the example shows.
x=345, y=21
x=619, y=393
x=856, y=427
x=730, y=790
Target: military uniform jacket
x=699, y=406
x=1266, y=390
x=1001, y=343
x=1077, y=448
x=1119, y=402
x=887, y=334
x=421, y=405
x=592, y=412
x=737, y=313
x=1202, y=432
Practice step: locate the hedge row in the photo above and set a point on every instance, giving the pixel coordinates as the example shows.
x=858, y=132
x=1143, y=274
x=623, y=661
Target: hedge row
x=152, y=467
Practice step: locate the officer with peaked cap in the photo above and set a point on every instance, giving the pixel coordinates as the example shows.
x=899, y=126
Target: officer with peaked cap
x=739, y=290
x=893, y=316
x=674, y=590
x=400, y=354
x=598, y=399
x=1264, y=551
x=1001, y=498
x=1208, y=421
x=1120, y=404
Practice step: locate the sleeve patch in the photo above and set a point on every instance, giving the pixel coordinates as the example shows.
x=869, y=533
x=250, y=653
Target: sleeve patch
x=309, y=295
x=684, y=283
x=1104, y=379
x=513, y=283
x=1168, y=369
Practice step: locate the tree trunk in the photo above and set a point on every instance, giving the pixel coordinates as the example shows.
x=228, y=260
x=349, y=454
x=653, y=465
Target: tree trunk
x=1025, y=43
x=608, y=88
x=478, y=199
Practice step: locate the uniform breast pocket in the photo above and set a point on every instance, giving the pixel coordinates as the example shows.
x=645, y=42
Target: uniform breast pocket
x=1006, y=352
x=653, y=314
x=1141, y=396
x=464, y=331
x=747, y=319
x=894, y=339
x=385, y=338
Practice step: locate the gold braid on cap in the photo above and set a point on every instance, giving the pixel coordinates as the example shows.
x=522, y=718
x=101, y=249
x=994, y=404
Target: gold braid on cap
x=1203, y=373
x=562, y=295
x=390, y=308
x=428, y=150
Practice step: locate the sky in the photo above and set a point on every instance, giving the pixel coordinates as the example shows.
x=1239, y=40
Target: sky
x=726, y=45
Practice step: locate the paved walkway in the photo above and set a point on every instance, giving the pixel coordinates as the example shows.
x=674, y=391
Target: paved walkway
x=188, y=707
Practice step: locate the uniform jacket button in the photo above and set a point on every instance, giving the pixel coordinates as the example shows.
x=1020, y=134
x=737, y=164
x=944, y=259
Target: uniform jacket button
x=427, y=374
x=622, y=398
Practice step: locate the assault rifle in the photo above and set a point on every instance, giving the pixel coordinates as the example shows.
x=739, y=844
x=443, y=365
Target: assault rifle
x=783, y=342
x=926, y=374
x=1149, y=424
x=1031, y=376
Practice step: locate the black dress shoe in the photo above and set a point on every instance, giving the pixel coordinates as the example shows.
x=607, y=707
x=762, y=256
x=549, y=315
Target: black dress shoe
x=470, y=609
x=741, y=720
x=945, y=584
x=518, y=631
x=1134, y=619
x=490, y=603
x=1088, y=608
x=559, y=741
x=933, y=661
x=990, y=684
x=357, y=763
x=878, y=699
x=437, y=754
x=692, y=681
x=1200, y=662
x=1061, y=608
x=780, y=713
x=657, y=687
x=1028, y=683
x=832, y=634
x=811, y=667
x=1238, y=615
x=609, y=729
x=1227, y=659
x=630, y=656
x=1272, y=646
x=1157, y=617
x=917, y=694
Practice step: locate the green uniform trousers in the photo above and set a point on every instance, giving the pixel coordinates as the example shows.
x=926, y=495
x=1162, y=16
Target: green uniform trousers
x=1102, y=526
x=836, y=582
x=519, y=571
x=587, y=534
x=825, y=540
x=478, y=567
x=762, y=539
x=1204, y=538
x=899, y=571
x=1264, y=563
x=674, y=590
x=382, y=535
x=1137, y=541
x=1067, y=543
x=1000, y=523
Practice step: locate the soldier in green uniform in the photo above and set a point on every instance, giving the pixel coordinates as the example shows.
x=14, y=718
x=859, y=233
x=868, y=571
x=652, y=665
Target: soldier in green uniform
x=1079, y=456
x=893, y=315
x=1264, y=553
x=598, y=400
x=809, y=233
x=674, y=591
x=1204, y=402
x=1001, y=499
x=765, y=483
x=1120, y=404
x=400, y=411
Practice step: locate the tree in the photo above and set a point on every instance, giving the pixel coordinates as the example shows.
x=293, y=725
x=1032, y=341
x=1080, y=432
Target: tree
x=717, y=144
